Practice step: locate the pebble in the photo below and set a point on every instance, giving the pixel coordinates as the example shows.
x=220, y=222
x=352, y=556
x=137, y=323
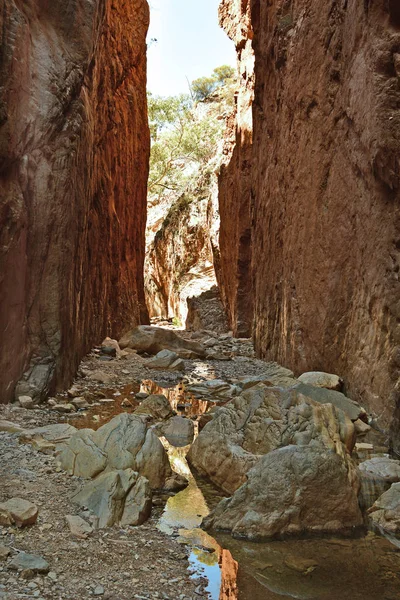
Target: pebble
x=98, y=590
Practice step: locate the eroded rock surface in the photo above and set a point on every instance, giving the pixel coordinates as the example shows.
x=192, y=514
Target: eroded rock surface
x=74, y=146
x=260, y=420
x=293, y=491
x=117, y=497
x=122, y=443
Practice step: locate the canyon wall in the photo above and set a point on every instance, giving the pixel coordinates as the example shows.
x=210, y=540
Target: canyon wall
x=325, y=225
x=234, y=268
x=74, y=145
x=179, y=261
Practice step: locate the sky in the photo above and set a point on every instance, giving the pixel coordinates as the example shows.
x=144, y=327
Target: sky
x=190, y=44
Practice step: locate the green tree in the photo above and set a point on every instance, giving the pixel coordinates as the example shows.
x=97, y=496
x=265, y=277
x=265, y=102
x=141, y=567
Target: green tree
x=203, y=87
x=181, y=141
x=224, y=74
x=184, y=136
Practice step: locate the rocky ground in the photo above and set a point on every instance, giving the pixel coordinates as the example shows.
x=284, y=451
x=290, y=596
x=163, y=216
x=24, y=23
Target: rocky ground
x=134, y=562
x=199, y=371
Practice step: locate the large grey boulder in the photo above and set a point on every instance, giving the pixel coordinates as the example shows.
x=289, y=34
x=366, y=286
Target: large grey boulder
x=24, y=561
x=322, y=380
x=273, y=375
x=385, y=513
x=152, y=340
x=125, y=442
x=382, y=468
x=293, y=491
x=377, y=474
x=352, y=409
x=117, y=497
x=260, y=420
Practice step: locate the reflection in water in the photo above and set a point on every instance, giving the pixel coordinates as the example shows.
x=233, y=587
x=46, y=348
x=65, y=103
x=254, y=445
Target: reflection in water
x=317, y=569
x=113, y=403
x=184, y=512
x=183, y=402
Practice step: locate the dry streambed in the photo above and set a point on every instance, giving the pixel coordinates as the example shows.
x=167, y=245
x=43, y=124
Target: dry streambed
x=285, y=451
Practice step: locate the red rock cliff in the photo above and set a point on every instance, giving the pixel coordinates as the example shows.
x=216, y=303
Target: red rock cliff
x=74, y=146
x=234, y=269
x=325, y=230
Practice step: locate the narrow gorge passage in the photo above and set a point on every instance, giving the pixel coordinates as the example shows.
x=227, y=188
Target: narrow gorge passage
x=206, y=406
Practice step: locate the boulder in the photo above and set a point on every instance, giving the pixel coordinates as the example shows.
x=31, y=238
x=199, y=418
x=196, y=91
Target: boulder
x=322, y=380
x=118, y=497
x=377, y=474
x=385, y=513
x=82, y=456
x=273, y=375
x=295, y=490
x=111, y=347
x=63, y=408
x=19, y=512
x=26, y=402
x=122, y=443
x=155, y=405
x=152, y=340
x=31, y=562
x=179, y=431
x=78, y=527
x=80, y=402
x=166, y=359
x=352, y=409
x=260, y=420
x=381, y=467
x=101, y=377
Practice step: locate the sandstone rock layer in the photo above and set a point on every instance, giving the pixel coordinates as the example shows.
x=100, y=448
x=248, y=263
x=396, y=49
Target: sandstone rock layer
x=74, y=146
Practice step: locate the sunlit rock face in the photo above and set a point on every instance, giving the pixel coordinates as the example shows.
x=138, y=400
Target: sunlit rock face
x=179, y=261
x=74, y=147
x=325, y=188
x=234, y=182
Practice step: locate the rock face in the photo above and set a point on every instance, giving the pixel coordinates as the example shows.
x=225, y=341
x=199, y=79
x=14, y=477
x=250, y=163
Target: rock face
x=325, y=185
x=179, y=261
x=234, y=182
x=259, y=421
x=74, y=147
x=293, y=491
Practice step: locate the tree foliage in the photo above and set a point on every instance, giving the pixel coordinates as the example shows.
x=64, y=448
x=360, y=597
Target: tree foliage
x=184, y=137
x=204, y=87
